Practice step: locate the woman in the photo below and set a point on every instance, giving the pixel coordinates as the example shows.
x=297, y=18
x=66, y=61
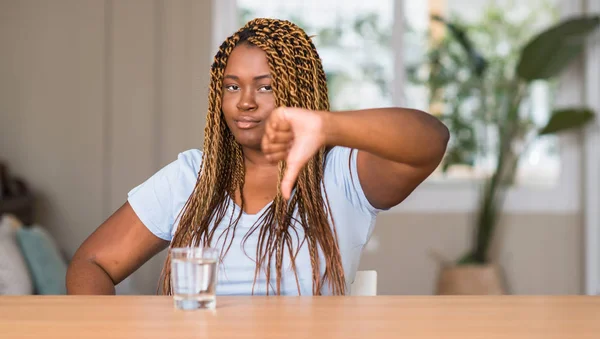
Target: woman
x=288, y=190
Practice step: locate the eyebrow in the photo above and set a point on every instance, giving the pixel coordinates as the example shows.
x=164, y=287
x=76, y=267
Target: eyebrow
x=259, y=77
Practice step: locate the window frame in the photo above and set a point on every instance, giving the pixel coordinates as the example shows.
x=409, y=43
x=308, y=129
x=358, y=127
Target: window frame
x=591, y=207
x=451, y=197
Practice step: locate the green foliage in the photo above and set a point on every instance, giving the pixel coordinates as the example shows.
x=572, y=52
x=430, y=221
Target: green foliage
x=479, y=77
x=568, y=118
x=551, y=51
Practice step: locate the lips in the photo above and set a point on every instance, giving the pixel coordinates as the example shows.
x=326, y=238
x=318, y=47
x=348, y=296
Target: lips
x=246, y=122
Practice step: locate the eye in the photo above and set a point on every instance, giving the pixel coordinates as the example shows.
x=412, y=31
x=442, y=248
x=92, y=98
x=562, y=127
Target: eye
x=266, y=88
x=232, y=88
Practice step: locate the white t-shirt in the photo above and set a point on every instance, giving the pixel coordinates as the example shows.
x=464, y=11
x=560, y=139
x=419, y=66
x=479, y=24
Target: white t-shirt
x=159, y=200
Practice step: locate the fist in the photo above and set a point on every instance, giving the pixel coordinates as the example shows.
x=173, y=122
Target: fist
x=293, y=135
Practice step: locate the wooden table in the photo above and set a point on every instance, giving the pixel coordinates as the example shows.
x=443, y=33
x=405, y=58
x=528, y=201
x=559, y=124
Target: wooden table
x=302, y=317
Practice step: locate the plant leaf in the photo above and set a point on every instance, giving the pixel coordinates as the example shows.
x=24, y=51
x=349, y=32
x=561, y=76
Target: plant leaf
x=567, y=118
x=548, y=53
x=477, y=62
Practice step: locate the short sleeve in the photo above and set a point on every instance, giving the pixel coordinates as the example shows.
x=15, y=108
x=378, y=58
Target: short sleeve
x=340, y=167
x=158, y=200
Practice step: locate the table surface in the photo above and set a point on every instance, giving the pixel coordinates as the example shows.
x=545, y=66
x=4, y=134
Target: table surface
x=464, y=317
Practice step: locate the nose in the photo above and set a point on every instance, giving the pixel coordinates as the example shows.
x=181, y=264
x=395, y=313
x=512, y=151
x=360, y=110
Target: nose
x=247, y=101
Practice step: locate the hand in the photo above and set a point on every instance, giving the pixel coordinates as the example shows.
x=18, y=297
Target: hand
x=293, y=135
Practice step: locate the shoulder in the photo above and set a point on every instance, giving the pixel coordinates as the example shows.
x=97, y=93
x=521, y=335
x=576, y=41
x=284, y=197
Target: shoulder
x=190, y=160
x=341, y=175
x=158, y=199
x=185, y=167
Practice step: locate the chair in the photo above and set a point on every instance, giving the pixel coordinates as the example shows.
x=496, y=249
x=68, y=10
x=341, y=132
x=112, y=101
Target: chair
x=365, y=284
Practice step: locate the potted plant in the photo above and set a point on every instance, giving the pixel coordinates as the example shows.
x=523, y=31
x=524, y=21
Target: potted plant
x=475, y=95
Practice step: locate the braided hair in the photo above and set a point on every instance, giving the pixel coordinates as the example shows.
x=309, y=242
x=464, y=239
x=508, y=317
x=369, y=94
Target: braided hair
x=298, y=80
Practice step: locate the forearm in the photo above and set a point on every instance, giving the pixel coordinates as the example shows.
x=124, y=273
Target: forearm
x=400, y=135
x=86, y=277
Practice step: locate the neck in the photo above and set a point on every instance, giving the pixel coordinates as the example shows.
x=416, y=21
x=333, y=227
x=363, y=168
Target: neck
x=255, y=159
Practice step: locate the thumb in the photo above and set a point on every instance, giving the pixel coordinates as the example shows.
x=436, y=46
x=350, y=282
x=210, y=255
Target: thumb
x=295, y=161
x=289, y=178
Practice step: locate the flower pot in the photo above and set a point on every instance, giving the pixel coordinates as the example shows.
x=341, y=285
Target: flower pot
x=470, y=280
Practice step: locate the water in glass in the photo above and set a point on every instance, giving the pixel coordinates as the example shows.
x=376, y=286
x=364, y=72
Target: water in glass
x=194, y=278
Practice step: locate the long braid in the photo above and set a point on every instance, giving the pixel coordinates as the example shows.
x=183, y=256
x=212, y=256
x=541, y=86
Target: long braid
x=298, y=80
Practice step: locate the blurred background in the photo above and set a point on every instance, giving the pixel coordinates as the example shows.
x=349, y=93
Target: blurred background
x=97, y=95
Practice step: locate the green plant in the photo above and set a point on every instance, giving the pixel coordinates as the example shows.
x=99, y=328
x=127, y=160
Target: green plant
x=477, y=95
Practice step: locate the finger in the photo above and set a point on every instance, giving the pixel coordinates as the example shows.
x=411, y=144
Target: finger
x=280, y=137
x=270, y=148
x=275, y=139
x=276, y=156
x=278, y=120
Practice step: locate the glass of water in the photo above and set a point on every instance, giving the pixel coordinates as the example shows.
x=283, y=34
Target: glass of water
x=194, y=277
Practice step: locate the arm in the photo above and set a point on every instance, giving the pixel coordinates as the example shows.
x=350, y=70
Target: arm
x=398, y=148
x=115, y=250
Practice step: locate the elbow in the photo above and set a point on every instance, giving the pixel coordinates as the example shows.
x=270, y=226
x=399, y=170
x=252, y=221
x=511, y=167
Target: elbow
x=438, y=132
x=441, y=141
x=444, y=136
x=430, y=139
x=438, y=137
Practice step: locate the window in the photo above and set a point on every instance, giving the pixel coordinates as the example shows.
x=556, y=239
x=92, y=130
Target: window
x=374, y=47
x=497, y=29
x=353, y=39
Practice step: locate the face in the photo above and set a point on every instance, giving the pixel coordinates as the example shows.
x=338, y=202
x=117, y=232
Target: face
x=247, y=95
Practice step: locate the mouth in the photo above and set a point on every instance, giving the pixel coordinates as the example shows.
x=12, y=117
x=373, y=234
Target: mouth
x=246, y=122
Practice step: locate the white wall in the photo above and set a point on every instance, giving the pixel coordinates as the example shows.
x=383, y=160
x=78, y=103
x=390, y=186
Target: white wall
x=95, y=96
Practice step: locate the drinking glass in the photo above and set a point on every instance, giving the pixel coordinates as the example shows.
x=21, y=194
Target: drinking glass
x=194, y=277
